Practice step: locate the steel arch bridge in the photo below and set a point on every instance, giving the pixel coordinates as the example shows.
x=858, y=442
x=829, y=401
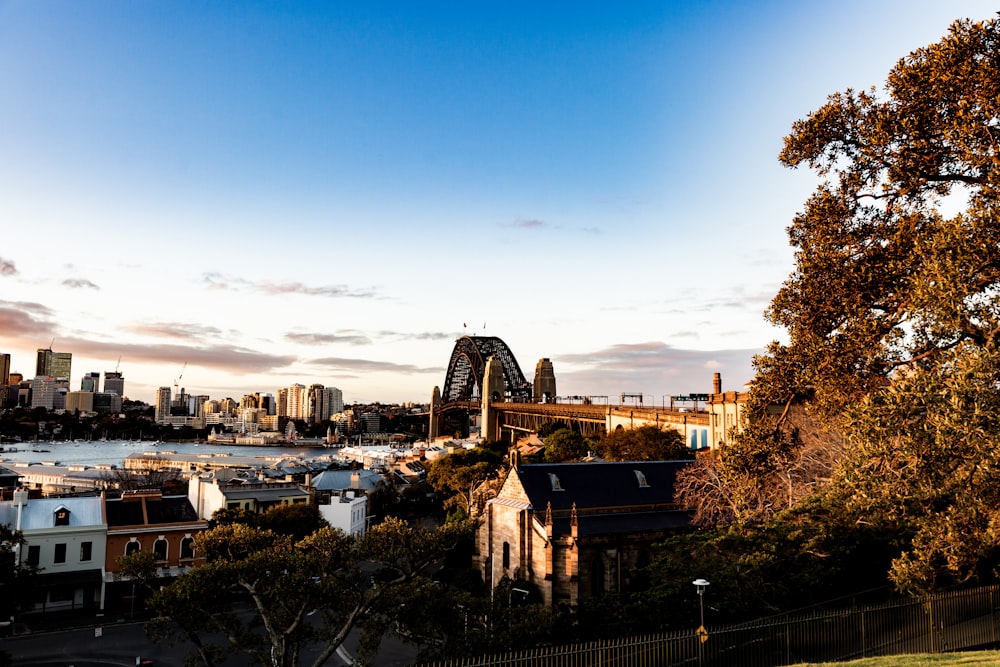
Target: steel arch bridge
x=468, y=362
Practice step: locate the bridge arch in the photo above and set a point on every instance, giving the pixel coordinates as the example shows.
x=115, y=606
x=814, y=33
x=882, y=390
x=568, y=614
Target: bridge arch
x=468, y=361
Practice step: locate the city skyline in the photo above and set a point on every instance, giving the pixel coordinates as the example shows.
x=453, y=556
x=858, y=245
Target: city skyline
x=263, y=195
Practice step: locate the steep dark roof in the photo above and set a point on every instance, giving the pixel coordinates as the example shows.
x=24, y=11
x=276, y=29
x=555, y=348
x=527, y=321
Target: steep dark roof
x=610, y=498
x=599, y=484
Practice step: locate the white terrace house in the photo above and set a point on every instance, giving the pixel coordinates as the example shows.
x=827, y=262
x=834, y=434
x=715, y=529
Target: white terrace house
x=65, y=538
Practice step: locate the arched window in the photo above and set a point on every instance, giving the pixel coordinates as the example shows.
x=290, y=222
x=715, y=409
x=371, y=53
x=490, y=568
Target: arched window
x=160, y=548
x=187, y=547
x=132, y=547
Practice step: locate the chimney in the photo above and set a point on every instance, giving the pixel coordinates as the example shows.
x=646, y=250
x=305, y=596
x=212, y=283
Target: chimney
x=355, y=480
x=716, y=383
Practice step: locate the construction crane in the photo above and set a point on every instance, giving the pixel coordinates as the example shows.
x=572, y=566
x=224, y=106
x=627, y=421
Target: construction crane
x=119, y=363
x=179, y=377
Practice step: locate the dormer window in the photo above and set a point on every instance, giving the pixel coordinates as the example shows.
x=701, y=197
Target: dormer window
x=61, y=516
x=641, y=478
x=556, y=484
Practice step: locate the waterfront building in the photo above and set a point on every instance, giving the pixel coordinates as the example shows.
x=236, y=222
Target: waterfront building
x=162, y=408
x=80, y=400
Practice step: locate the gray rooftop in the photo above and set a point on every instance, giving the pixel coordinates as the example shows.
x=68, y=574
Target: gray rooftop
x=39, y=513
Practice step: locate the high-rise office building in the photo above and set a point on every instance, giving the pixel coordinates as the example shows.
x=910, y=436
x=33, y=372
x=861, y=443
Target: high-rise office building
x=318, y=404
x=43, y=363
x=62, y=365
x=162, y=410
x=91, y=382
x=53, y=364
x=336, y=400
x=114, y=382
x=4, y=369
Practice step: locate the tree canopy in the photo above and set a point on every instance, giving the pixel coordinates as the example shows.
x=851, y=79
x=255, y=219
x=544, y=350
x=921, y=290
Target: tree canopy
x=893, y=323
x=269, y=596
x=646, y=443
x=897, y=256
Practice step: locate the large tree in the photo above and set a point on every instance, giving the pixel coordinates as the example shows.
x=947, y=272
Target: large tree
x=271, y=598
x=898, y=250
x=897, y=255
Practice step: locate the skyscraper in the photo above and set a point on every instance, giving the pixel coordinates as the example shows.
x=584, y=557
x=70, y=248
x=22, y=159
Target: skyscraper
x=91, y=382
x=62, y=363
x=162, y=410
x=4, y=369
x=43, y=363
x=336, y=400
x=114, y=382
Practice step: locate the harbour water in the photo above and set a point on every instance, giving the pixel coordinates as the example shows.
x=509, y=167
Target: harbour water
x=113, y=452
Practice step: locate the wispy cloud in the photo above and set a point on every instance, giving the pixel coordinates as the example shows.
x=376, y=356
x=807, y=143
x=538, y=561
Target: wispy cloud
x=7, y=267
x=530, y=223
x=217, y=281
x=371, y=366
x=226, y=358
x=651, y=367
x=346, y=338
x=79, y=283
x=176, y=330
x=423, y=335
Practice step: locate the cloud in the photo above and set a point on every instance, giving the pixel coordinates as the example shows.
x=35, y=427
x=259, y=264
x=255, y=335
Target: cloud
x=7, y=267
x=652, y=368
x=329, y=339
x=526, y=224
x=177, y=330
x=77, y=283
x=234, y=360
x=218, y=281
x=425, y=335
x=371, y=366
x=23, y=319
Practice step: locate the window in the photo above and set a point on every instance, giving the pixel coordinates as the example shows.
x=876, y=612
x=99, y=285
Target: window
x=86, y=551
x=62, y=516
x=132, y=547
x=187, y=547
x=60, y=556
x=641, y=478
x=34, y=554
x=506, y=555
x=160, y=549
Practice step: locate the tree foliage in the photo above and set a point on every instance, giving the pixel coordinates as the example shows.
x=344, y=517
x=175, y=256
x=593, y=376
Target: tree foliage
x=564, y=445
x=893, y=318
x=269, y=596
x=458, y=475
x=646, y=443
x=886, y=277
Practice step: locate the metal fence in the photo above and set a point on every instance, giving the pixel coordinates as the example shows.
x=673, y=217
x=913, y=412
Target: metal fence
x=942, y=622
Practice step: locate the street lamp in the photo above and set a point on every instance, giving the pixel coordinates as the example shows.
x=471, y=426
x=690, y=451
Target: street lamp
x=701, y=584
x=702, y=632
x=510, y=603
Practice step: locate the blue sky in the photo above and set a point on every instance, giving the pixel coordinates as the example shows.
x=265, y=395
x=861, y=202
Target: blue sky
x=327, y=192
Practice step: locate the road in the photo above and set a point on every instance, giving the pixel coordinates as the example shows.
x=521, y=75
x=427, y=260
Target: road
x=123, y=644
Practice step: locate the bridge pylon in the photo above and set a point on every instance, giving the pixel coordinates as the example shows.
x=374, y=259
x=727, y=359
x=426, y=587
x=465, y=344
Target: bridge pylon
x=493, y=390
